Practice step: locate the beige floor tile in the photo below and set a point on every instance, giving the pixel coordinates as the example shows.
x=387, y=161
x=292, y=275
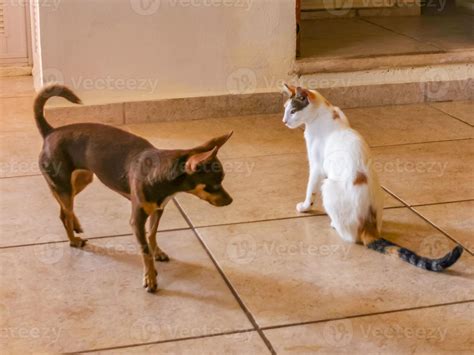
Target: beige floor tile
x=240, y=343
x=463, y=110
x=59, y=299
x=17, y=115
x=299, y=270
x=428, y=173
x=253, y=135
x=456, y=219
x=437, y=330
x=446, y=32
x=19, y=151
x=262, y=187
x=406, y=124
x=354, y=37
x=30, y=214
x=16, y=86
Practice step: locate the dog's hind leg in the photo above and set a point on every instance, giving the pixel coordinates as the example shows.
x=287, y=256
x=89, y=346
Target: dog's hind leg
x=66, y=215
x=80, y=178
x=159, y=254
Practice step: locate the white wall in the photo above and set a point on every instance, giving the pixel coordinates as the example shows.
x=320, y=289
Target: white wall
x=182, y=48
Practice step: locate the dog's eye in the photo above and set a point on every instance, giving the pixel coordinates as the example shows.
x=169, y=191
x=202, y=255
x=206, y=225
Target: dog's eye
x=212, y=188
x=292, y=111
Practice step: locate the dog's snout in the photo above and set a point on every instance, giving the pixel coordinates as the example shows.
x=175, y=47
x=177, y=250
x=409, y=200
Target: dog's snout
x=223, y=199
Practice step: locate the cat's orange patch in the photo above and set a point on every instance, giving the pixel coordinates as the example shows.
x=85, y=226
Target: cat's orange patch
x=360, y=179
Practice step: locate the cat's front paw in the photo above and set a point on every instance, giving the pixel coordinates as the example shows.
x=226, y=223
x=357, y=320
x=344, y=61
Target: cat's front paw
x=303, y=207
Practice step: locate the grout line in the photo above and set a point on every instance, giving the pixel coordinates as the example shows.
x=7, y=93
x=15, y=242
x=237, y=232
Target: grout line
x=448, y=114
x=403, y=34
x=411, y=208
x=417, y=143
x=164, y=341
x=227, y=281
x=89, y=238
x=307, y=215
x=18, y=176
x=367, y=315
x=441, y=203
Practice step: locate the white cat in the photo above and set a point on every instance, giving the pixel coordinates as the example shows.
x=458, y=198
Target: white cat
x=340, y=168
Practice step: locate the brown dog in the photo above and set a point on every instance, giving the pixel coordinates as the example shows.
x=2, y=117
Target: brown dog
x=129, y=165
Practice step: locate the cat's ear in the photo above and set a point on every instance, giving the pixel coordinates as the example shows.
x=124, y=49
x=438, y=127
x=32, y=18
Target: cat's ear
x=311, y=95
x=290, y=90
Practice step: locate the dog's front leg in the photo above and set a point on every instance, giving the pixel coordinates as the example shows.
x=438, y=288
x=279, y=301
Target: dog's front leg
x=159, y=254
x=138, y=221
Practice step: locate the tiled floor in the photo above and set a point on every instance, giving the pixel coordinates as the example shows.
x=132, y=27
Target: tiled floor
x=368, y=36
x=255, y=276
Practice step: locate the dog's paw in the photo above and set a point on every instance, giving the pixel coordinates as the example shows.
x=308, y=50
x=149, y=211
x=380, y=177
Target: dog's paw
x=77, y=242
x=303, y=207
x=149, y=282
x=162, y=256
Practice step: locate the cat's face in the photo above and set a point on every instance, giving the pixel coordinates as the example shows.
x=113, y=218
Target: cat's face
x=298, y=108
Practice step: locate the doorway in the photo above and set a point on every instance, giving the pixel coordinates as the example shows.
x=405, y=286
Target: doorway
x=374, y=28
x=14, y=35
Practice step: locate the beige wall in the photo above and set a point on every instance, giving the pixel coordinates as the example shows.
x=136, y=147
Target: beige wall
x=180, y=48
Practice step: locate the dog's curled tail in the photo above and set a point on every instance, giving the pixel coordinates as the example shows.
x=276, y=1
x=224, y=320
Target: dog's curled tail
x=43, y=96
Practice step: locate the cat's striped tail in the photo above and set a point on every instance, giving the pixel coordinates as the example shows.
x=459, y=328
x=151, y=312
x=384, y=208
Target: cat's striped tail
x=386, y=247
x=372, y=240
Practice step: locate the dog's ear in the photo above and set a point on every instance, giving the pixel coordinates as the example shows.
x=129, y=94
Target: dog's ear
x=195, y=160
x=290, y=90
x=213, y=143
